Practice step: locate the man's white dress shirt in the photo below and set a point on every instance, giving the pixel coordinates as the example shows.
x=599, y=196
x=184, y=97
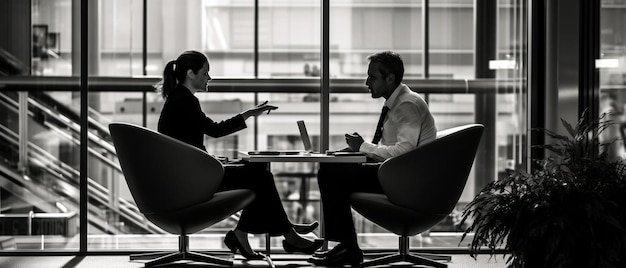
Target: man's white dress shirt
x=409, y=124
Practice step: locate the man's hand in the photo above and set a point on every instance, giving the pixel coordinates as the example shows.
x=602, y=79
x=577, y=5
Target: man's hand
x=354, y=140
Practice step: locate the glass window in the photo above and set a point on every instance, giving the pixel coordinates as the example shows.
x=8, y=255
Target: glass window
x=39, y=137
x=228, y=36
x=289, y=38
x=51, y=38
x=41, y=142
x=120, y=27
x=40, y=171
x=223, y=30
x=451, y=50
x=360, y=29
x=612, y=75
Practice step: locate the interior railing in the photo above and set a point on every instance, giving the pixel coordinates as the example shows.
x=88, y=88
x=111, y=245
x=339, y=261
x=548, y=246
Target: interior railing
x=66, y=177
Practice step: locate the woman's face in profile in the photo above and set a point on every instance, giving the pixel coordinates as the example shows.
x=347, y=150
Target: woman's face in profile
x=200, y=81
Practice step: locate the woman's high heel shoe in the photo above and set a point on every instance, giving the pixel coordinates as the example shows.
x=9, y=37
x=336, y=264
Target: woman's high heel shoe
x=233, y=244
x=303, y=228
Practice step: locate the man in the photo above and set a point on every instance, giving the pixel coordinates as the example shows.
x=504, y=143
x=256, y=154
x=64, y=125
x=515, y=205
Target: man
x=405, y=123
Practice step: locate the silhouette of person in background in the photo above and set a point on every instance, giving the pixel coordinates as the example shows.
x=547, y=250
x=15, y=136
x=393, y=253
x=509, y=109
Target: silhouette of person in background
x=315, y=71
x=405, y=123
x=182, y=118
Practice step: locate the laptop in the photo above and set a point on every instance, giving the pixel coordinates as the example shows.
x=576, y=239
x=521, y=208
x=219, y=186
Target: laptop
x=306, y=141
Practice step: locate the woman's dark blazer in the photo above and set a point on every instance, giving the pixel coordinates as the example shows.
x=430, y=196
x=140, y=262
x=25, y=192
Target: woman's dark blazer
x=182, y=118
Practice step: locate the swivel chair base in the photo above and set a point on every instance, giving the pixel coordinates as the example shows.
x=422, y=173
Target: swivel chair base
x=404, y=255
x=183, y=253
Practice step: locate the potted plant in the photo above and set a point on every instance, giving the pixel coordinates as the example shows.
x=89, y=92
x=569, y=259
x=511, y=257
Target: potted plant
x=568, y=212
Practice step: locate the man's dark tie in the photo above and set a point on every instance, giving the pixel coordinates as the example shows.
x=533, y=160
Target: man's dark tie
x=379, y=127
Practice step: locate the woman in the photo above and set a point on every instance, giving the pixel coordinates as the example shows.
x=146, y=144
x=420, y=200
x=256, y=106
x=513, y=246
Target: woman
x=183, y=119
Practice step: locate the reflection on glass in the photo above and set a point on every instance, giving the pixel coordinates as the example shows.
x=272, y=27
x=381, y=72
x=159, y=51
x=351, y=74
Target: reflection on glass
x=40, y=174
x=226, y=36
x=288, y=46
x=51, y=38
x=451, y=42
x=613, y=74
x=289, y=38
x=451, y=39
x=120, y=40
x=361, y=28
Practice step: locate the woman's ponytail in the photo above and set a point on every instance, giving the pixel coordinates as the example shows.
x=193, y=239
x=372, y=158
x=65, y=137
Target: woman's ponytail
x=168, y=83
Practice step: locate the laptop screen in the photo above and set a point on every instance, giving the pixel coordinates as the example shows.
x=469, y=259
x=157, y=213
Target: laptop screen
x=305, y=136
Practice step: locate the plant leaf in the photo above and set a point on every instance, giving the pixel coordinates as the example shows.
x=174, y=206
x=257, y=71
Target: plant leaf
x=568, y=127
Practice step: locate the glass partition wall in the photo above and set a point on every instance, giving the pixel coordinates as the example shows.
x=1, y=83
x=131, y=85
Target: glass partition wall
x=436, y=40
x=259, y=50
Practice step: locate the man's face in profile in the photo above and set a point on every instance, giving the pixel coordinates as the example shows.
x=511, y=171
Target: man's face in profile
x=376, y=83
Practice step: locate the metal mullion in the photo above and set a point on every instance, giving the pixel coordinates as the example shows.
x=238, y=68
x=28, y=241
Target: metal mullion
x=256, y=39
x=485, y=46
x=540, y=43
x=426, y=42
x=324, y=91
x=256, y=69
x=589, y=51
x=144, y=58
x=517, y=140
x=426, y=37
x=530, y=24
x=522, y=73
x=325, y=77
x=84, y=77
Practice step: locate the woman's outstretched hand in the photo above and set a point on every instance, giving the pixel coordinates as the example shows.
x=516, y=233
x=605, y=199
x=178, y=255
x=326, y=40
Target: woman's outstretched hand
x=258, y=110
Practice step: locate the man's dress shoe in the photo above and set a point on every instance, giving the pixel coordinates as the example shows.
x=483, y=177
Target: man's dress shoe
x=324, y=253
x=320, y=254
x=339, y=257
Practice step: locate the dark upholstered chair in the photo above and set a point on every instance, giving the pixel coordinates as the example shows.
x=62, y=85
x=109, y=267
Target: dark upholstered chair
x=174, y=186
x=420, y=189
